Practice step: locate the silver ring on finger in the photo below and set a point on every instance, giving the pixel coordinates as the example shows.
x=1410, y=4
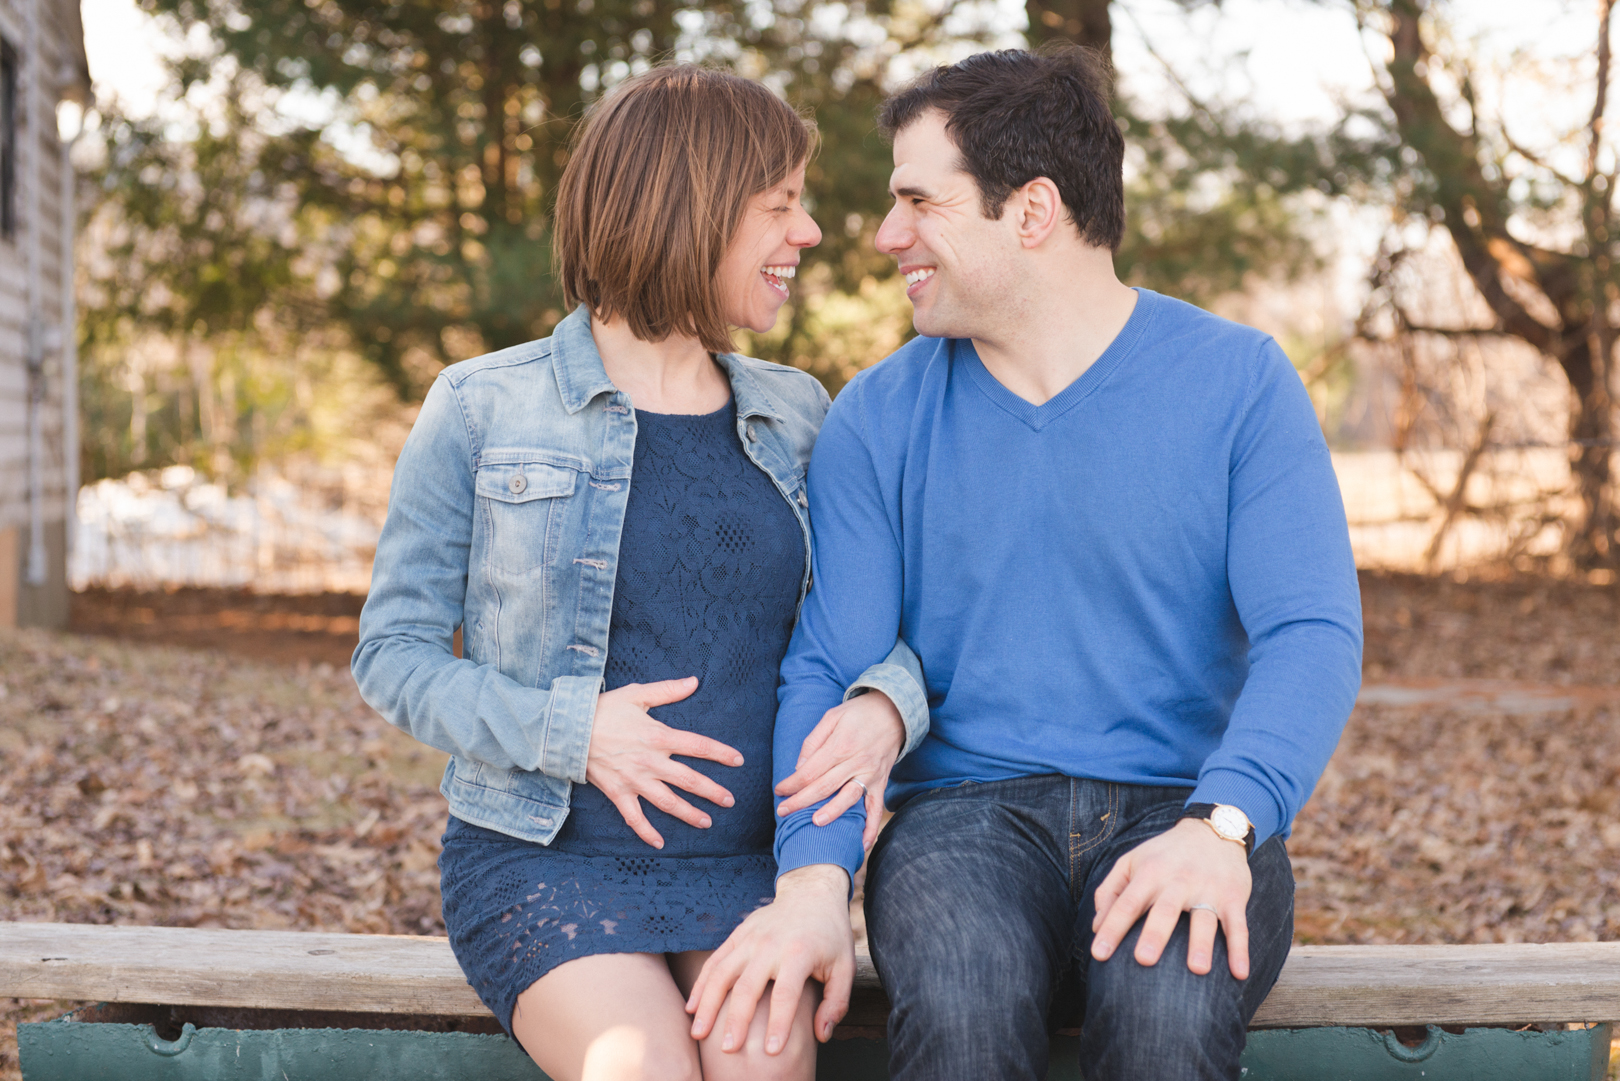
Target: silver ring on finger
x=862, y=783
x=1203, y=908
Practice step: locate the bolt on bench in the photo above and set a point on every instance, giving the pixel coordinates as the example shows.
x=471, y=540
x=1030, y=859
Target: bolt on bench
x=179, y=1004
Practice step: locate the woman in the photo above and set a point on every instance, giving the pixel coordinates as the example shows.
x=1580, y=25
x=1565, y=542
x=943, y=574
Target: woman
x=615, y=517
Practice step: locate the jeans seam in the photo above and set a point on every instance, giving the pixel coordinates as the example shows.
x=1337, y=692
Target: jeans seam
x=1076, y=850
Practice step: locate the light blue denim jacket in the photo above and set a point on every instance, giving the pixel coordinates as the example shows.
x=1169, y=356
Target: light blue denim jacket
x=504, y=520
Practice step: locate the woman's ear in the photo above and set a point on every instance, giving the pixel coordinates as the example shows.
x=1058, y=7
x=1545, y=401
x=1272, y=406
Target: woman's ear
x=1040, y=210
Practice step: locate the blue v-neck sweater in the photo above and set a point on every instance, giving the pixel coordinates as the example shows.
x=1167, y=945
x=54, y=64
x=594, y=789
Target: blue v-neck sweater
x=1146, y=580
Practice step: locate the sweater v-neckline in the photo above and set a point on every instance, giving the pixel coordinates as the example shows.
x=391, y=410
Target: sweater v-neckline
x=1087, y=383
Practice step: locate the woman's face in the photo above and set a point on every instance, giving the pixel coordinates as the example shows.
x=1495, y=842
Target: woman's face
x=764, y=254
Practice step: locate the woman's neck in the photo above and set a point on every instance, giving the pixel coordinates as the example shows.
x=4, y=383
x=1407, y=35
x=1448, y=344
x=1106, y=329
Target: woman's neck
x=676, y=375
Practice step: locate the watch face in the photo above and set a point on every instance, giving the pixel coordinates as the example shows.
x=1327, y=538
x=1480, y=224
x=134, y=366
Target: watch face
x=1230, y=822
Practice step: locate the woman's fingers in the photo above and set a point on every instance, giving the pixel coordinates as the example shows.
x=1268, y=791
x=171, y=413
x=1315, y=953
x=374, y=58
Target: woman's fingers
x=874, y=817
x=845, y=798
x=661, y=693
x=691, y=745
x=630, y=808
x=689, y=779
x=819, y=734
x=820, y=787
x=658, y=794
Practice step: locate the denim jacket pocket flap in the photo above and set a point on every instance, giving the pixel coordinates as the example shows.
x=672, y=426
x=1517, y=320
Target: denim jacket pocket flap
x=519, y=482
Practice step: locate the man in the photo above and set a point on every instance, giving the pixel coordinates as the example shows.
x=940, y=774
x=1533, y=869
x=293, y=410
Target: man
x=1107, y=523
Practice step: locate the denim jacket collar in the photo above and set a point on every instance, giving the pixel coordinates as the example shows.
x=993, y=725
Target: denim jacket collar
x=581, y=377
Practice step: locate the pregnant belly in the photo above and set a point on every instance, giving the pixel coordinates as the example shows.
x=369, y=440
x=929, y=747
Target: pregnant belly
x=596, y=827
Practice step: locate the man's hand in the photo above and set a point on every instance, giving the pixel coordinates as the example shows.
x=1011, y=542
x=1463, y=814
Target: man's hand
x=1185, y=869
x=629, y=757
x=857, y=741
x=804, y=933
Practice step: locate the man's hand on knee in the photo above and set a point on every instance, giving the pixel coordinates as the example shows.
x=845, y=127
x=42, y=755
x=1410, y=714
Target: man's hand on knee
x=803, y=934
x=1185, y=869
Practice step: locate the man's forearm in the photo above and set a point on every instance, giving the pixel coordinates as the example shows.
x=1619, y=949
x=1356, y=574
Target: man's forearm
x=816, y=879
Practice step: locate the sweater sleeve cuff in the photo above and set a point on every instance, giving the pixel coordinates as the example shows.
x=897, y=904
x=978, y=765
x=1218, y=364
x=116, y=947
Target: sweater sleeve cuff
x=903, y=690
x=1247, y=795
x=802, y=843
x=567, y=728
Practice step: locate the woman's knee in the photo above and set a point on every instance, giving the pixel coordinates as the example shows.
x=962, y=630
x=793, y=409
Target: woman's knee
x=795, y=1062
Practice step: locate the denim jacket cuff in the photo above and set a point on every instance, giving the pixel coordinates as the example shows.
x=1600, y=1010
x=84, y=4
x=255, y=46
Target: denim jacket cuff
x=901, y=687
x=568, y=727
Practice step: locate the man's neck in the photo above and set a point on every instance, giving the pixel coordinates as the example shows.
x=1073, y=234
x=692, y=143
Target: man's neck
x=1065, y=318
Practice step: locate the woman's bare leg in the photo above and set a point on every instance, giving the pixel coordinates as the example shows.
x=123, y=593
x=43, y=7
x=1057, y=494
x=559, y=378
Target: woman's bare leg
x=611, y=1017
x=797, y=1060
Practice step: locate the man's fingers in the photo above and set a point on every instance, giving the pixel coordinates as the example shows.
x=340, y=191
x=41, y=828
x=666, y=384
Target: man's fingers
x=694, y=782
x=741, y=1006
x=1236, y=921
x=1156, y=929
x=663, y=692
x=1201, y=940
x=845, y=798
x=709, y=994
x=1107, y=893
x=785, y=992
x=835, y=997
x=692, y=745
x=1122, y=914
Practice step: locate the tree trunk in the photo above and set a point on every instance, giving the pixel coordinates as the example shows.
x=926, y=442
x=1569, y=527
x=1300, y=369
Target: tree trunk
x=1083, y=22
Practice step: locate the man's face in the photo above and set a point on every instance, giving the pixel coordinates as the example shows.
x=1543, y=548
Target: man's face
x=958, y=263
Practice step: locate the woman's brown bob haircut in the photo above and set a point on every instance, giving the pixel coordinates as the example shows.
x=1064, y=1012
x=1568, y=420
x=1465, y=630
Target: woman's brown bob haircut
x=656, y=184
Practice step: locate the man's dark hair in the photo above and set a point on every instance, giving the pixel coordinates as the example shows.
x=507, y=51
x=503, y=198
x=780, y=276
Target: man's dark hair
x=1016, y=115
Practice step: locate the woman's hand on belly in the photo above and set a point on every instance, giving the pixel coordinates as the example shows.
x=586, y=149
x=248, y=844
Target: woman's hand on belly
x=848, y=756
x=630, y=757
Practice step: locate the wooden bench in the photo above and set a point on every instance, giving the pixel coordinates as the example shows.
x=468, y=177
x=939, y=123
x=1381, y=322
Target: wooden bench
x=1352, y=986
x=1368, y=986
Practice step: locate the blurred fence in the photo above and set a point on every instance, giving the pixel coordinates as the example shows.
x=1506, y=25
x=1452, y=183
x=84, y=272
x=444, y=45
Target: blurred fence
x=316, y=530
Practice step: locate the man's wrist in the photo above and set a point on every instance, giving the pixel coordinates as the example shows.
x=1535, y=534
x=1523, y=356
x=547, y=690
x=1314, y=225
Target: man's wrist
x=815, y=878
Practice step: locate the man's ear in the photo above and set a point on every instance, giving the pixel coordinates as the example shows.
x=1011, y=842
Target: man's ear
x=1039, y=210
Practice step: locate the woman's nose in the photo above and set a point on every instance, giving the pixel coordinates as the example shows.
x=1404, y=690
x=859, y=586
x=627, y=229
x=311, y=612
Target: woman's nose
x=805, y=233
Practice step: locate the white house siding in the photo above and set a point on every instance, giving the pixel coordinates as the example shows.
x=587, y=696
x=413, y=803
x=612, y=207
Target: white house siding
x=57, y=72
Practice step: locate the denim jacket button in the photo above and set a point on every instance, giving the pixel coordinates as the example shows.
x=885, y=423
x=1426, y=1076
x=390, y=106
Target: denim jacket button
x=518, y=483
x=752, y=438
x=803, y=502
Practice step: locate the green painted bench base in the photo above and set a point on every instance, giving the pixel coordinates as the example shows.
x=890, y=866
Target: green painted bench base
x=157, y=1043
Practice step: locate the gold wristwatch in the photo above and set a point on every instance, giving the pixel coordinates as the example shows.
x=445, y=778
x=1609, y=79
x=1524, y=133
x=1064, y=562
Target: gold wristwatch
x=1228, y=822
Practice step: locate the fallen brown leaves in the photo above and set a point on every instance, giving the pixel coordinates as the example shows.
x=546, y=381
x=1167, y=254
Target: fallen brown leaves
x=150, y=785
x=141, y=784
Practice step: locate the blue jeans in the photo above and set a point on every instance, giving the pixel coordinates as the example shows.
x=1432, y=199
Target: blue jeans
x=979, y=900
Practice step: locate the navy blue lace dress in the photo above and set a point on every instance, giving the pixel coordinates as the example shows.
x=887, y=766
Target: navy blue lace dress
x=710, y=562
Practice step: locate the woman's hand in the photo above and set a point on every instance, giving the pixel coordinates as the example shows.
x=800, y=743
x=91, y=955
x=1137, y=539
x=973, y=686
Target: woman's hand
x=629, y=757
x=857, y=741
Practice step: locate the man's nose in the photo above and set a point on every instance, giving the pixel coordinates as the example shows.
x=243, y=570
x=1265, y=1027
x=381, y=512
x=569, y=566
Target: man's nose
x=895, y=235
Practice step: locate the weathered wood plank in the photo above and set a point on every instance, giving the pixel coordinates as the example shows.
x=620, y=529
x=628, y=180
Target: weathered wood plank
x=1445, y=985
x=260, y=969
x=1321, y=985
